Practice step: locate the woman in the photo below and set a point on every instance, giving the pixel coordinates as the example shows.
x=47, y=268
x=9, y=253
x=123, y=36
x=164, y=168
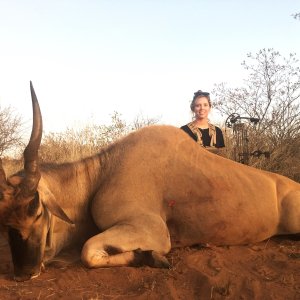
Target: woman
x=204, y=133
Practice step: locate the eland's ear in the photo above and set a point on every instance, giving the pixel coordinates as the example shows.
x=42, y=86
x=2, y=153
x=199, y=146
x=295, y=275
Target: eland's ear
x=49, y=201
x=57, y=211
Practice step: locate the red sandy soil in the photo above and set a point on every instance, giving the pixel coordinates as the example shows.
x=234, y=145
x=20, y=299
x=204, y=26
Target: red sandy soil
x=266, y=270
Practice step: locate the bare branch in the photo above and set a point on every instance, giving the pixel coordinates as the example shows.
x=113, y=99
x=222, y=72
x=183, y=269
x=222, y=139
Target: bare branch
x=271, y=92
x=10, y=130
x=296, y=16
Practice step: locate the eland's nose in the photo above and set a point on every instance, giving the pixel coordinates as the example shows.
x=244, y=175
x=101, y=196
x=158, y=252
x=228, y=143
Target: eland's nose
x=22, y=278
x=26, y=276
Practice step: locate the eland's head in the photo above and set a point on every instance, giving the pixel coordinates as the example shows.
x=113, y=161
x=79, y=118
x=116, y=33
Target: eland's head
x=25, y=211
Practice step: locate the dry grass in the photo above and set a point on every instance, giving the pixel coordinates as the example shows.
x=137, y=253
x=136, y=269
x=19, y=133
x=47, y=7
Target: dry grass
x=284, y=160
x=284, y=157
x=11, y=166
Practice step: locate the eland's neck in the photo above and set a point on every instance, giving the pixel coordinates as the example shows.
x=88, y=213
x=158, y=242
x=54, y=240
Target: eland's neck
x=74, y=184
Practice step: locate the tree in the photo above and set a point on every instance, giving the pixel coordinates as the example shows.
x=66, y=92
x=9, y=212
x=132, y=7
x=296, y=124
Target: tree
x=271, y=92
x=140, y=121
x=296, y=16
x=10, y=130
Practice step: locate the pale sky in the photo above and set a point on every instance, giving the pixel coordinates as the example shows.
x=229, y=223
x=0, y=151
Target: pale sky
x=89, y=58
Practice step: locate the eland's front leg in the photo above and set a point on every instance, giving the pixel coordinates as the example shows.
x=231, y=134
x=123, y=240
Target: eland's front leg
x=141, y=241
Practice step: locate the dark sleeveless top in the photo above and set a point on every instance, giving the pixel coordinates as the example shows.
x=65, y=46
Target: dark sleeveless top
x=205, y=136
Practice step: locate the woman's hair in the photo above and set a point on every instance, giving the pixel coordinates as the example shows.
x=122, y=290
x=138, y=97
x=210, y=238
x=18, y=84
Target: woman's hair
x=197, y=95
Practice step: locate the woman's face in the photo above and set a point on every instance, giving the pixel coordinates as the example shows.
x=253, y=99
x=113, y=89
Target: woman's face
x=201, y=108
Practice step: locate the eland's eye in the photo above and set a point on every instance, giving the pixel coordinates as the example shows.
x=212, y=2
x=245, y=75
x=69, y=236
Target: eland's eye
x=38, y=216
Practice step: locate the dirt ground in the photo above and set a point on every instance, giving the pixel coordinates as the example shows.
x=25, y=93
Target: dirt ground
x=267, y=270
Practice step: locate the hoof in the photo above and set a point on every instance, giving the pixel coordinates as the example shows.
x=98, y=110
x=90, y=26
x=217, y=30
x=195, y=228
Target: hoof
x=160, y=261
x=149, y=258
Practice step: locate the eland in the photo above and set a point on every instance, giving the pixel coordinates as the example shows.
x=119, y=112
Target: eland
x=137, y=198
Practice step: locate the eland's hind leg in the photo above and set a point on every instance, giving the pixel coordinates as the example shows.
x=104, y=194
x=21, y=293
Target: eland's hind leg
x=290, y=214
x=141, y=241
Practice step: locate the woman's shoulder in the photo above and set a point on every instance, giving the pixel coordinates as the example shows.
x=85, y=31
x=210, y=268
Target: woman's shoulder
x=217, y=128
x=187, y=130
x=184, y=126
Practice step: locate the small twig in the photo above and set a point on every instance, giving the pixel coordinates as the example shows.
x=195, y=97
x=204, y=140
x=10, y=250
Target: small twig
x=50, y=295
x=266, y=244
x=51, y=279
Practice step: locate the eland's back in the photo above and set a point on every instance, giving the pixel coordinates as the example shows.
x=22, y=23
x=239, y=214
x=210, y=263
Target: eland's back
x=203, y=197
